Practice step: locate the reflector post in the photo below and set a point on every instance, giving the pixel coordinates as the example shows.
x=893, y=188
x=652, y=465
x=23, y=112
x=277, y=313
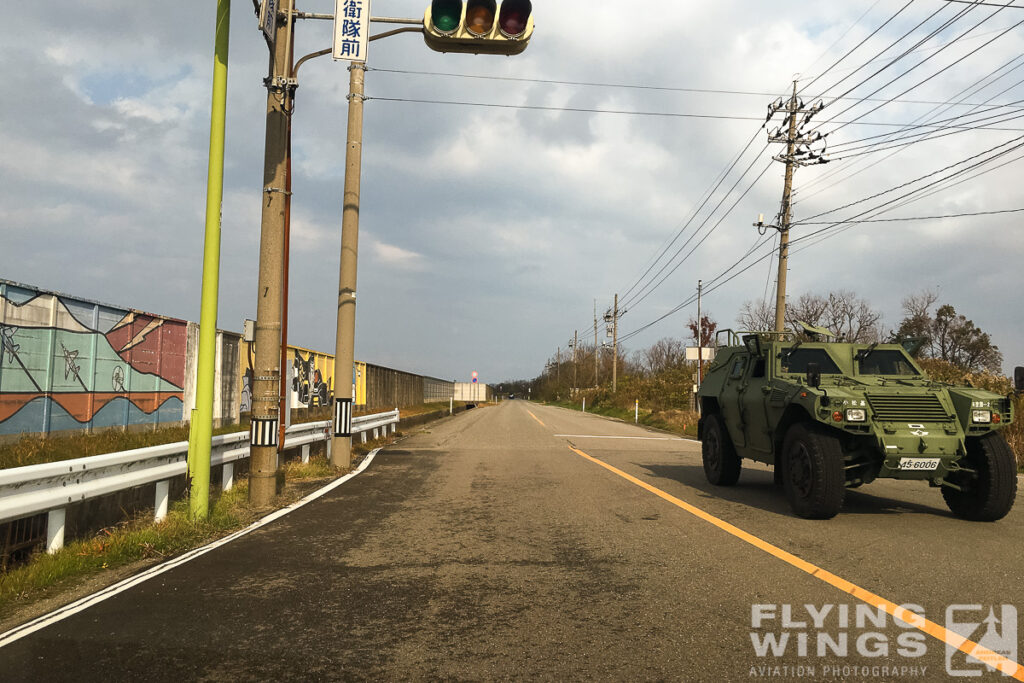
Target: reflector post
x=489, y=27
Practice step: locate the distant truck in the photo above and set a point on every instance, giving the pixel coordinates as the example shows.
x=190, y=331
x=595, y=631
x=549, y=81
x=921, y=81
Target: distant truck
x=830, y=416
x=472, y=393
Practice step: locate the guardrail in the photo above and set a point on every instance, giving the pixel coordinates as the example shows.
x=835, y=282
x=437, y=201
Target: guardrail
x=51, y=487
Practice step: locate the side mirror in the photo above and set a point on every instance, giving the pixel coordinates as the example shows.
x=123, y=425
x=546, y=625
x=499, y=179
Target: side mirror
x=813, y=375
x=753, y=344
x=1018, y=379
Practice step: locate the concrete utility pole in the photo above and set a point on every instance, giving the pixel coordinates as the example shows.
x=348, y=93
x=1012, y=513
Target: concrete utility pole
x=797, y=153
x=615, y=344
x=344, y=353
x=266, y=369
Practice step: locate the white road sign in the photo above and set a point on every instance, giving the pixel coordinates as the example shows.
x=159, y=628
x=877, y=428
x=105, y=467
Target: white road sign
x=707, y=352
x=268, y=17
x=351, y=29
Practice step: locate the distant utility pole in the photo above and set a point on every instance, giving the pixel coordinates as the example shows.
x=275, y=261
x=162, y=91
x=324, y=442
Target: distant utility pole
x=597, y=349
x=558, y=365
x=798, y=153
x=575, y=343
x=615, y=344
x=700, y=336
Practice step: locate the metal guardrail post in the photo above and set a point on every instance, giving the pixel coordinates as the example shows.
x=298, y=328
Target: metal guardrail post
x=55, y=530
x=163, y=497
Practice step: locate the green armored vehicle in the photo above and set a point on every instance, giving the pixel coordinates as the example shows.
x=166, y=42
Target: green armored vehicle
x=830, y=416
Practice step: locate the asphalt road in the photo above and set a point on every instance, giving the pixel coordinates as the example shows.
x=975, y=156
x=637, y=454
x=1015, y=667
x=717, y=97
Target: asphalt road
x=530, y=542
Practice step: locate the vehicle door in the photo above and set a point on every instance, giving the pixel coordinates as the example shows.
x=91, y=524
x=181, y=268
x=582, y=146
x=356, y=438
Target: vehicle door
x=729, y=401
x=755, y=387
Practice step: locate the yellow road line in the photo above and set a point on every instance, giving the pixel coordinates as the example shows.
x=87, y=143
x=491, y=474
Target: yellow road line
x=1003, y=664
x=537, y=419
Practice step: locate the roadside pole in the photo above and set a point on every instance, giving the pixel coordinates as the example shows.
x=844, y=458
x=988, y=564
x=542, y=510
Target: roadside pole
x=266, y=387
x=344, y=353
x=201, y=425
x=615, y=345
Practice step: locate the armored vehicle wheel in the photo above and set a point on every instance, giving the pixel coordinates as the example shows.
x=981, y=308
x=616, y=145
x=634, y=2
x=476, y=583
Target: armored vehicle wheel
x=813, y=473
x=721, y=464
x=987, y=495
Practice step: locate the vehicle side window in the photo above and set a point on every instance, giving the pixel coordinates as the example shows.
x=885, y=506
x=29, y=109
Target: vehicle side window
x=758, y=370
x=738, y=366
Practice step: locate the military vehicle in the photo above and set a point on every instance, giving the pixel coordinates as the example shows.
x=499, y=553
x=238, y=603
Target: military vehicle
x=830, y=416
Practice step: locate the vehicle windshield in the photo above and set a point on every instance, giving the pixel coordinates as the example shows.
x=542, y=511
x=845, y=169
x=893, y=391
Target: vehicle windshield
x=887, y=362
x=796, y=360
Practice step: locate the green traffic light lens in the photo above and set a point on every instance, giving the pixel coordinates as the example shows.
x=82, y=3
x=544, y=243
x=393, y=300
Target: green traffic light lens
x=514, y=16
x=446, y=15
x=480, y=16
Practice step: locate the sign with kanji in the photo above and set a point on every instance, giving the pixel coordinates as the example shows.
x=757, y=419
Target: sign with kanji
x=268, y=19
x=351, y=29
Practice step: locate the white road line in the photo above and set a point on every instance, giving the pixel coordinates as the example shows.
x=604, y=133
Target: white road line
x=77, y=606
x=639, y=438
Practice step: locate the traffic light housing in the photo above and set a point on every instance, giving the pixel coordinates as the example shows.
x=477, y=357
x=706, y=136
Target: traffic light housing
x=478, y=26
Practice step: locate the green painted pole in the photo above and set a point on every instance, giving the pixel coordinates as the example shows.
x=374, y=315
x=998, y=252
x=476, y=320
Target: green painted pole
x=201, y=429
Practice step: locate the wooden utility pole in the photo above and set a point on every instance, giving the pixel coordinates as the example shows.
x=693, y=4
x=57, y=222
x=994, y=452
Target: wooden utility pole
x=798, y=153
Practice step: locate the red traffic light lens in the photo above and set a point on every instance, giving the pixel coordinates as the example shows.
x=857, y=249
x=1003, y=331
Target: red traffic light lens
x=446, y=15
x=480, y=16
x=513, y=17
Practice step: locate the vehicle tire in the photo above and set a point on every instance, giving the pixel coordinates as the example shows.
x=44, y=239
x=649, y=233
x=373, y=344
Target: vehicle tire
x=988, y=493
x=814, y=477
x=721, y=464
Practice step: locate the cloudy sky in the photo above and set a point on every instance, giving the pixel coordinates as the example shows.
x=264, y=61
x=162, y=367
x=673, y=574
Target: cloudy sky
x=487, y=233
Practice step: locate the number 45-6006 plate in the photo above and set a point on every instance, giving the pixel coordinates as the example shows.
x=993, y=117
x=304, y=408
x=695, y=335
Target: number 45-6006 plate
x=919, y=464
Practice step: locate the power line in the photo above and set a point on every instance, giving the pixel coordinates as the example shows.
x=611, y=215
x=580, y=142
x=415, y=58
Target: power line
x=635, y=113
x=918, y=218
x=627, y=86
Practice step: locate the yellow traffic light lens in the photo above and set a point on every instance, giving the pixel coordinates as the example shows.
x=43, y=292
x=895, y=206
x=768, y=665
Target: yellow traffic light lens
x=514, y=16
x=445, y=15
x=480, y=16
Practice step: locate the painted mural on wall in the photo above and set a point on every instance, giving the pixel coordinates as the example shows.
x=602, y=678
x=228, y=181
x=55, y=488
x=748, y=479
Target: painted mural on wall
x=69, y=364
x=312, y=377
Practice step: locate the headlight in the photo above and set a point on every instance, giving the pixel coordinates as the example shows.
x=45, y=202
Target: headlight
x=981, y=416
x=856, y=415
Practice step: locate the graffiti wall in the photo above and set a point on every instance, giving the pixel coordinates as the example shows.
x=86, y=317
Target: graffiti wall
x=71, y=364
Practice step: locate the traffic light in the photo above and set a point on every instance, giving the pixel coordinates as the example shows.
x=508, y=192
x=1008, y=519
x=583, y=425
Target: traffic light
x=478, y=26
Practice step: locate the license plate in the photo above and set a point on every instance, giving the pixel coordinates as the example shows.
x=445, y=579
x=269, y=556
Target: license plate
x=919, y=464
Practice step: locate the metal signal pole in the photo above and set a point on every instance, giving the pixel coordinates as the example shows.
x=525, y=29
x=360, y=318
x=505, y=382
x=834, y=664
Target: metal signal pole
x=798, y=153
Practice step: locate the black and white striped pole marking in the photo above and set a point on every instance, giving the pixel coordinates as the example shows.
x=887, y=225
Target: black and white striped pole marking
x=263, y=431
x=343, y=417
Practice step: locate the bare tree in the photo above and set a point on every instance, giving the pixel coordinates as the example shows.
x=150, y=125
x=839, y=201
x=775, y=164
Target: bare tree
x=664, y=354
x=756, y=315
